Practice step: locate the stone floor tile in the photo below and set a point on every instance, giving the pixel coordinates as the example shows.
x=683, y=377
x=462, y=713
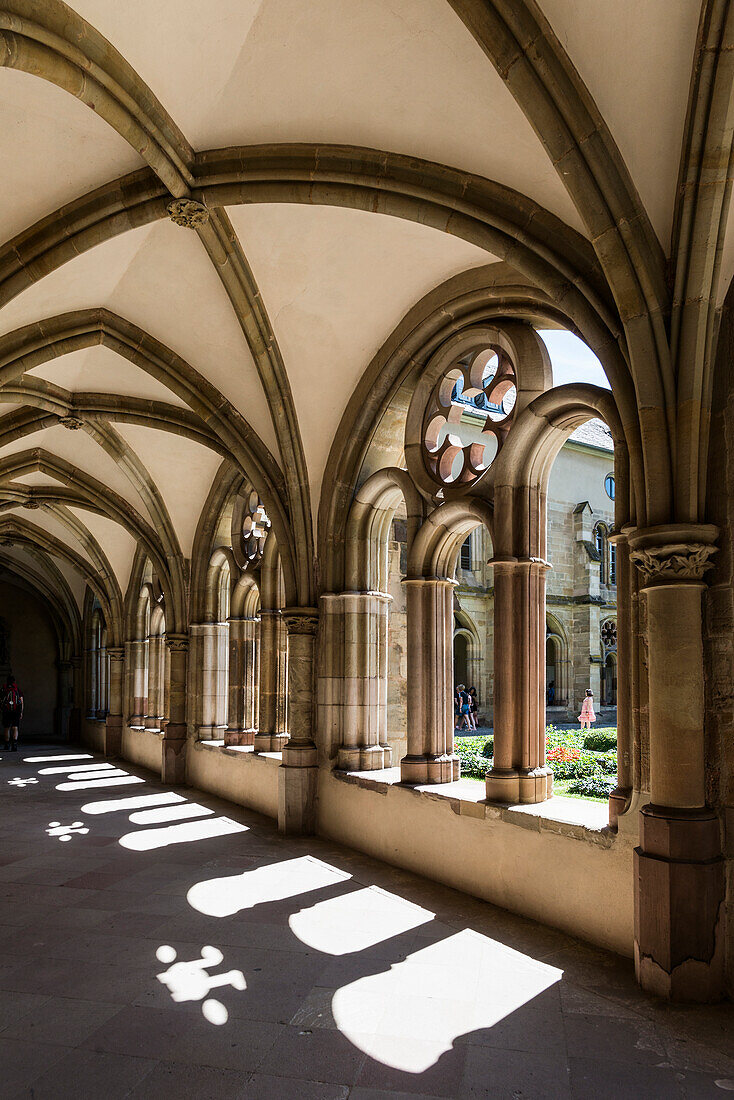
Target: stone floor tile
x=174, y=1081
x=169, y=1035
x=313, y=1055
x=87, y=1074
x=509, y=1075
x=60, y=1020
x=262, y=1086
x=15, y=1006
x=631, y=1040
x=443, y=1077
x=21, y=1062
x=607, y=1080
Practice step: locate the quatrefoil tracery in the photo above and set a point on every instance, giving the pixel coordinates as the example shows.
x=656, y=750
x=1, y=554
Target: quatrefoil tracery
x=485, y=381
x=255, y=527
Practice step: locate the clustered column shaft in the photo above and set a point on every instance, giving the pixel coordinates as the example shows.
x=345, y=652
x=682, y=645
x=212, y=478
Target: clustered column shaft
x=430, y=611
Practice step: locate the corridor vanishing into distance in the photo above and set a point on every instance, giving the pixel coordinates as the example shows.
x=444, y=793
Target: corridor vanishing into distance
x=158, y=942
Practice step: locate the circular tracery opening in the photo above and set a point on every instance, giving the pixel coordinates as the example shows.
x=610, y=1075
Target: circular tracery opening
x=481, y=386
x=255, y=527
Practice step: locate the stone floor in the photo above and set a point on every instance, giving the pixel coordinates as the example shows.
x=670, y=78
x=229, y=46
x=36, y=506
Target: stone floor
x=161, y=943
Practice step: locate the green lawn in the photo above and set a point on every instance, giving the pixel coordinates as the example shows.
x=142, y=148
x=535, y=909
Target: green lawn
x=583, y=766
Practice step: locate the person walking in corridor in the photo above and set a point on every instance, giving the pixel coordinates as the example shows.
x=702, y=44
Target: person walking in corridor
x=12, y=712
x=587, y=715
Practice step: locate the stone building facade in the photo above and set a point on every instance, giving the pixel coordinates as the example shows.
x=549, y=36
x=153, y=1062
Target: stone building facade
x=581, y=594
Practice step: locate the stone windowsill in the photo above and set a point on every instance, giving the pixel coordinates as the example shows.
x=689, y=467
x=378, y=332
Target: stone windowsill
x=239, y=750
x=572, y=817
x=144, y=729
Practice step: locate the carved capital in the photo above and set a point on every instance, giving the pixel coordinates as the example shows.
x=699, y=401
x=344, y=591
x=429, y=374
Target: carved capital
x=177, y=643
x=73, y=423
x=32, y=504
x=679, y=552
x=116, y=653
x=188, y=212
x=301, y=620
x=683, y=561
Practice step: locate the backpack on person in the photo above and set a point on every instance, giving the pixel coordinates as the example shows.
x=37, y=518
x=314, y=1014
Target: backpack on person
x=11, y=697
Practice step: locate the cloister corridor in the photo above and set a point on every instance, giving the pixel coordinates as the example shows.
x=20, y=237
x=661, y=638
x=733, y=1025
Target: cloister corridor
x=339, y=976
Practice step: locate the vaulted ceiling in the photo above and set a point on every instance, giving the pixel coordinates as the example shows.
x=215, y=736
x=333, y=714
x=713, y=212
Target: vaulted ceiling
x=170, y=349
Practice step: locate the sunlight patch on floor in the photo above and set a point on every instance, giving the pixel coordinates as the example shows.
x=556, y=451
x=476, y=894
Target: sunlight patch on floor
x=409, y=1016
x=145, y=840
x=134, y=802
x=170, y=813
x=223, y=897
x=356, y=921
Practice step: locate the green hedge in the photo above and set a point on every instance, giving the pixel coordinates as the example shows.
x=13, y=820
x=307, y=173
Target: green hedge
x=600, y=740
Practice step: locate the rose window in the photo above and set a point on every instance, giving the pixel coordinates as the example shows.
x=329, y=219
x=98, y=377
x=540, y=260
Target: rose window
x=468, y=417
x=255, y=527
x=609, y=634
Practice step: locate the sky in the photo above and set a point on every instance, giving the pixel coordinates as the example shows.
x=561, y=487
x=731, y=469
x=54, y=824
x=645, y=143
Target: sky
x=572, y=360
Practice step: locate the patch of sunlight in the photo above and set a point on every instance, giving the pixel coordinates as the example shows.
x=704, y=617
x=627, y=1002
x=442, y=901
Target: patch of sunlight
x=145, y=840
x=223, y=897
x=87, y=769
x=115, y=781
x=47, y=759
x=169, y=813
x=356, y=921
x=80, y=775
x=135, y=802
x=409, y=1016
x=189, y=981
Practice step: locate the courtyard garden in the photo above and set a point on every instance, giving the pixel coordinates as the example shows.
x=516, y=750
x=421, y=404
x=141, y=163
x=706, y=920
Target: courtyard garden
x=584, y=764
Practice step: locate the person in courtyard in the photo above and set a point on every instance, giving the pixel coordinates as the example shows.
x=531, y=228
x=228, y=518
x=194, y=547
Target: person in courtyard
x=587, y=715
x=551, y=693
x=12, y=712
x=464, y=708
x=474, y=704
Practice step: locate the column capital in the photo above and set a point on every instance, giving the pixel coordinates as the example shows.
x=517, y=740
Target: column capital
x=116, y=652
x=673, y=553
x=177, y=642
x=270, y=613
x=301, y=620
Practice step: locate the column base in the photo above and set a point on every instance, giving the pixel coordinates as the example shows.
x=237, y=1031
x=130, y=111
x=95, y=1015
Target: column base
x=679, y=898
x=173, y=759
x=619, y=800
x=212, y=733
x=297, y=799
x=362, y=758
x=519, y=788
x=270, y=742
x=443, y=768
x=239, y=737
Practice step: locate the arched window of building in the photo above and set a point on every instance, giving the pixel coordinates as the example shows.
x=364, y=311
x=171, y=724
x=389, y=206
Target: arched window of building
x=466, y=554
x=98, y=667
x=609, y=668
x=157, y=672
x=600, y=543
x=556, y=664
x=612, y=563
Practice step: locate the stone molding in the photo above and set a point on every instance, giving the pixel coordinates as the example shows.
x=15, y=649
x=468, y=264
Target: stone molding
x=116, y=653
x=188, y=213
x=302, y=620
x=177, y=643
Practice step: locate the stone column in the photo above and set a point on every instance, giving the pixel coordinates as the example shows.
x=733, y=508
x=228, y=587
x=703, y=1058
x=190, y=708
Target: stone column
x=269, y=737
x=679, y=871
x=152, y=716
x=620, y=796
x=519, y=773
x=65, y=696
x=298, y=776
x=113, y=721
x=363, y=681
x=75, y=718
x=242, y=649
x=207, y=635
x=173, y=760
x=139, y=648
x=430, y=611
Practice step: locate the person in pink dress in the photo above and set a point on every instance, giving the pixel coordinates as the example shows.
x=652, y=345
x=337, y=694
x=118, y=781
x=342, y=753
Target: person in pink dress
x=587, y=715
